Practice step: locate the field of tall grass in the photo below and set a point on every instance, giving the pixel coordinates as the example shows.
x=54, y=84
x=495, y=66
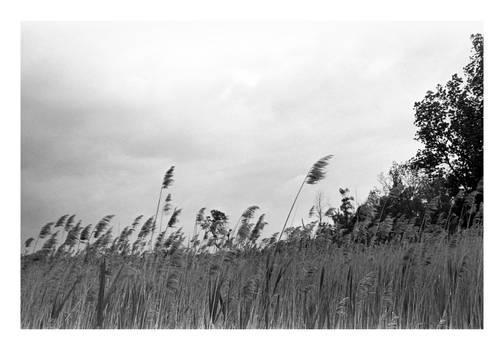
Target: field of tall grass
x=422, y=276
x=437, y=283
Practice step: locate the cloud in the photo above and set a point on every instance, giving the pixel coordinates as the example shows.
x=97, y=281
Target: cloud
x=241, y=109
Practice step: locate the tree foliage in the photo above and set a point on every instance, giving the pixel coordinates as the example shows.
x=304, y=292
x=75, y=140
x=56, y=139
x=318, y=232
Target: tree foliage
x=450, y=127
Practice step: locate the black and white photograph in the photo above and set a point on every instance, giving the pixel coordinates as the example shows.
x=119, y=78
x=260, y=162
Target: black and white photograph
x=250, y=175
x=264, y=174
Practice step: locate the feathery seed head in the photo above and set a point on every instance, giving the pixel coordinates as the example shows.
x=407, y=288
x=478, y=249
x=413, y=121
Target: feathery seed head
x=317, y=171
x=86, y=233
x=168, y=178
x=101, y=225
x=174, y=217
x=69, y=223
x=146, y=228
x=249, y=213
x=46, y=230
x=136, y=222
x=201, y=215
x=167, y=203
x=28, y=242
x=61, y=221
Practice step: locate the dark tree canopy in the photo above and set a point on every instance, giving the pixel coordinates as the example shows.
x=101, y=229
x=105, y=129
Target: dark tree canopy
x=450, y=127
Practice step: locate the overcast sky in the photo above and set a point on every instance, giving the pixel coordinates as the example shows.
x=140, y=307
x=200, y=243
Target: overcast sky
x=241, y=110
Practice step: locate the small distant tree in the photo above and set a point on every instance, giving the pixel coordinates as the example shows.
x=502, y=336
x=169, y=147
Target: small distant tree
x=346, y=207
x=215, y=229
x=318, y=209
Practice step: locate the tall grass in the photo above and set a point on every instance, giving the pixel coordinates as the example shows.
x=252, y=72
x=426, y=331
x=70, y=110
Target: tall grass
x=433, y=284
x=429, y=277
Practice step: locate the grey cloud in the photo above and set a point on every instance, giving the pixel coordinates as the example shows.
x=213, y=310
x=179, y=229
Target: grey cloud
x=241, y=110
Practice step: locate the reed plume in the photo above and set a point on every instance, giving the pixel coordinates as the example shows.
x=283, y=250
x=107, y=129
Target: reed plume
x=167, y=203
x=136, y=222
x=28, y=242
x=61, y=221
x=200, y=216
x=146, y=227
x=258, y=227
x=317, y=171
x=166, y=209
x=167, y=181
x=243, y=221
x=44, y=232
x=49, y=245
x=315, y=174
x=102, y=225
x=69, y=223
x=72, y=237
x=174, y=218
x=86, y=233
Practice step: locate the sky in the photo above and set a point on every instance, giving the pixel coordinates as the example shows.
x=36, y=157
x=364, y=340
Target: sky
x=242, y=110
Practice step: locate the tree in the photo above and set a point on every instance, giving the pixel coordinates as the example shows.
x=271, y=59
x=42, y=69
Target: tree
x=317, y=210
x=346, y=207
x=450, y=126
x=215, y=228
x=405, y=191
